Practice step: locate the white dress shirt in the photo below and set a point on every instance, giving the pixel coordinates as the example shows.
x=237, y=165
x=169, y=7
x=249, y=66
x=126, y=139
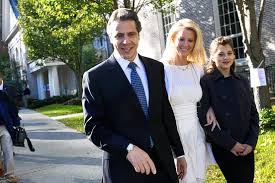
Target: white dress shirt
x=140, y=70
x=2, y=85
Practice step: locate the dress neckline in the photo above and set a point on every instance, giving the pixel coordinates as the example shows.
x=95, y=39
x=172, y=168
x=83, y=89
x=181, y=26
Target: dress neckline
x=183, y=67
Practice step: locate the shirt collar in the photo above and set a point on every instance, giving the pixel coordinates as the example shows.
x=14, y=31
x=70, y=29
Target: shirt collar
x=218, y=75
x=124, y=63
x=2, y=86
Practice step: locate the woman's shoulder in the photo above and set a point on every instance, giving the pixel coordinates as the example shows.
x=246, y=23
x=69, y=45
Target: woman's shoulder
x=197, y=66
x=198, y=69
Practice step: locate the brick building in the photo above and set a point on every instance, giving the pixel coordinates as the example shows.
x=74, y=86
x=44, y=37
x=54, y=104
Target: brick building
x=215, y=17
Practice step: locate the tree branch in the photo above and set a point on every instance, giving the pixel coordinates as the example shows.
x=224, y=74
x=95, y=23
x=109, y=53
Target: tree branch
x=115, y=5
x=261, y=15
x=133, y=4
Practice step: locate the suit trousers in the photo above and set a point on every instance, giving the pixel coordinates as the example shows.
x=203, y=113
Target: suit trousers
x=122, y=171
x=236, y=169
x=7, y=150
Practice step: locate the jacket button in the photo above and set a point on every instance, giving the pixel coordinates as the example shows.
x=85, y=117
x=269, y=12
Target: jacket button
x=227, y=114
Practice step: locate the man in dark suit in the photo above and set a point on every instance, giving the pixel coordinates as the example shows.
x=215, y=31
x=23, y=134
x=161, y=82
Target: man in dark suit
x=8, y=119
x=127, y=112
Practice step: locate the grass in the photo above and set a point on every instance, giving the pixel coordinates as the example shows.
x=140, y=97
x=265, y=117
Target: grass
x=59, y=109
x=74, y=122
x=264, y=162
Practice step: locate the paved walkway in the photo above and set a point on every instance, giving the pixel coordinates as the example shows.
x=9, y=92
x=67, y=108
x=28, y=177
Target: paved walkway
x=67, y=116
x=62, y=155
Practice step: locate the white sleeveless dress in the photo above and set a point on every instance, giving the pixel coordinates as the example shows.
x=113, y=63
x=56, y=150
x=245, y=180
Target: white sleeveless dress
x=184, y=91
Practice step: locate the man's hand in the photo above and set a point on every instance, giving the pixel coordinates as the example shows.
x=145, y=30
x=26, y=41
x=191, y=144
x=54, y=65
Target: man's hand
x=211, y=119
x=141, y=161
x=181, y=167
x=248, y=149
x=238, y=149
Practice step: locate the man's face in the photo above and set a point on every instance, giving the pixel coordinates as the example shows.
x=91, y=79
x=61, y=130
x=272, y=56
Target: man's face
x=125, y=37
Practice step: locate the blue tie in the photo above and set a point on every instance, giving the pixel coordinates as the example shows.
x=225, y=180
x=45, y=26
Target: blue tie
x=139, y=90
x=138, y=87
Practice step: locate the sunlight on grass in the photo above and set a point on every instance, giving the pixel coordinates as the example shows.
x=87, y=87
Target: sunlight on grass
x=74, y=122
x=264, y=162
x=59, y=109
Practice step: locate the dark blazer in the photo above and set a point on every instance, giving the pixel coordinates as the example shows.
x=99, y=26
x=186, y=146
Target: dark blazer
x=8, y=113
x=114, y=118
x=13, y=97
x=234, y=107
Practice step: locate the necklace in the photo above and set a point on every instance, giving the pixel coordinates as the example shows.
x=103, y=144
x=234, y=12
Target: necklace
x=183, y=67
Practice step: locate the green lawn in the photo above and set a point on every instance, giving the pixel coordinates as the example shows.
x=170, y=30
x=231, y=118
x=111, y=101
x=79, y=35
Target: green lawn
x=74, y=122
x=264, y=162
x=59, y=109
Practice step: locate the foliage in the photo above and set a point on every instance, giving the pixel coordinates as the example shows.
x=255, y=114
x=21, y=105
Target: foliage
x=35, y=103
x=264, y=162
x=59, y=109
x=60, y=29
x=267, y=119
x=90, y=57
x=5, y=66
x=137, y=5
x=12, y=77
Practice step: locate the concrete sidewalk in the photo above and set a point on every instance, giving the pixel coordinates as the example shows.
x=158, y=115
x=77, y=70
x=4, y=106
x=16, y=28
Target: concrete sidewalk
x=61, y=155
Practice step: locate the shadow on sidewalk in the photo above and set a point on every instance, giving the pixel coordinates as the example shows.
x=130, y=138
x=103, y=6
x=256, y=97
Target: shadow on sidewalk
x=57, y=160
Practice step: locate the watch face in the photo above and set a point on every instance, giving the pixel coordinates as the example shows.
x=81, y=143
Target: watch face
x=130, y=147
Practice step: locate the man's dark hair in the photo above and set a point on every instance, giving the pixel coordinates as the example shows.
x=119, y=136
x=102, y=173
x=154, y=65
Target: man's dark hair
x=123, y=14
x=1, y=75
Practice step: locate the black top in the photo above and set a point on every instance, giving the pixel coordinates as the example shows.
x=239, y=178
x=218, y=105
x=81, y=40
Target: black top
x=234, y=107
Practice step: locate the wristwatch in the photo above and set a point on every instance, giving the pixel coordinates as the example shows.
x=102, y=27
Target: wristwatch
x=130, y=147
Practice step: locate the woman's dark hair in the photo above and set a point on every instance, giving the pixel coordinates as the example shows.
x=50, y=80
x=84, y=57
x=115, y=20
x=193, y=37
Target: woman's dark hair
x=123, y=14
x=222, y=40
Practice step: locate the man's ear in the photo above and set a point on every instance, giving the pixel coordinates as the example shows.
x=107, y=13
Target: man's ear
x=110, y=38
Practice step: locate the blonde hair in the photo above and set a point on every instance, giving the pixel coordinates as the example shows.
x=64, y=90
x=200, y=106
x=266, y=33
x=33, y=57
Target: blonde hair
x=198, y=54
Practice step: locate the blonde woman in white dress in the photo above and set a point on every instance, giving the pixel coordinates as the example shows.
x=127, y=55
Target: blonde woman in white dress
x=184, y=58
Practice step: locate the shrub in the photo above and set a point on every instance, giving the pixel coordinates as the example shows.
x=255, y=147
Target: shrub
x=267, y=120
x=34, y=103
x=73, y=101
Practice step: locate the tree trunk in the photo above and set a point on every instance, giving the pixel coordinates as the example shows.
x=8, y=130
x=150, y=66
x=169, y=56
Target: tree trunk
x=261, y=99
x=79, y=84
x=253, y=49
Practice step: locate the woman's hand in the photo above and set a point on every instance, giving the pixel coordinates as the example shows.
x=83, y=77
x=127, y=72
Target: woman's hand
x=247, y=149
x=238, y=149
x=211, y=119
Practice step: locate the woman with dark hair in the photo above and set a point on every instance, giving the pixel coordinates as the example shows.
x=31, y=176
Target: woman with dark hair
x=229, y=95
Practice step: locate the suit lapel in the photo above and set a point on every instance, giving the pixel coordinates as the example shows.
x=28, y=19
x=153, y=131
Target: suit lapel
x=150, y=79
x=117, y=74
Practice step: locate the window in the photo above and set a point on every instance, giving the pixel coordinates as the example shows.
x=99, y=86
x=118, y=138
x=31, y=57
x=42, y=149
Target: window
x=230, y=25
x=169, y=18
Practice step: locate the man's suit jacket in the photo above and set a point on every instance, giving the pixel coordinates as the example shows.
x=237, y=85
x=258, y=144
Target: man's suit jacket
x=8, y=113
x=114, y=118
